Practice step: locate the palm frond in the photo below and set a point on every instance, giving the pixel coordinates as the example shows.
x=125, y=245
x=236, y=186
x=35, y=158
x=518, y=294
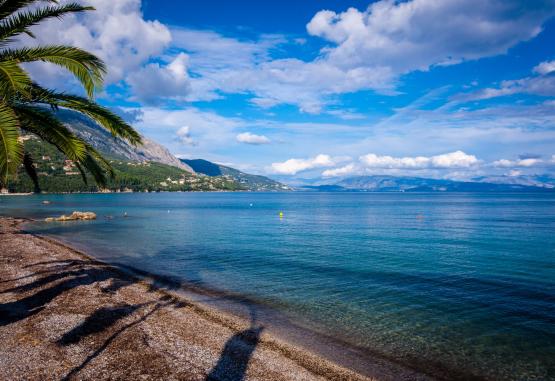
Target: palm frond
x=31, y=171
x=97, y=166
x=11, y=149
x=103, y=116
x=86, y=67
x=44, y=124
x=7, y=7
x=16, y=23
x=14, y=81
x=82, y=172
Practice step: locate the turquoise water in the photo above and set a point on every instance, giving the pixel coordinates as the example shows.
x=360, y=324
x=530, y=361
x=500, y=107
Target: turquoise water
x=456, y=284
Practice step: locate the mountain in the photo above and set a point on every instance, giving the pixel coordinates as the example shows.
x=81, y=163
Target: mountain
x=544, y=181
x=104, y=142
x=150, y=167
x=251, y=182
x=56, y=174
x=418, y=184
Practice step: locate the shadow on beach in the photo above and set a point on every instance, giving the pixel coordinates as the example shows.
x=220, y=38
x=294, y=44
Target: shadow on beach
x=238, y=350
x=63, y=276
x=59, y=277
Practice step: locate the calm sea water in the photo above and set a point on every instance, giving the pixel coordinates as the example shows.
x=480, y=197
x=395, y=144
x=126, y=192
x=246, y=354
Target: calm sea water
x=463, y=282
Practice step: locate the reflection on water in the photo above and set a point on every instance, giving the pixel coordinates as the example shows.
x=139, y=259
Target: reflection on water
x=464, y=282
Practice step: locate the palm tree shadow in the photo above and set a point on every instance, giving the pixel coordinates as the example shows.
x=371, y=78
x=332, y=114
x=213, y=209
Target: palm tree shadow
x=238, y=350
x=12, y=312
x=97, y=323
x=100, y=320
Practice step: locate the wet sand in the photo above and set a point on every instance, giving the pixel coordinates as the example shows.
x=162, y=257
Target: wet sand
x=64, y=315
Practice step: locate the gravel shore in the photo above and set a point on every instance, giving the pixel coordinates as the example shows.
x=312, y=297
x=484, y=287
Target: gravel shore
x=66, y=316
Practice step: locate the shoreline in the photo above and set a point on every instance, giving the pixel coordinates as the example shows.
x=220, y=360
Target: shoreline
x=290, y=360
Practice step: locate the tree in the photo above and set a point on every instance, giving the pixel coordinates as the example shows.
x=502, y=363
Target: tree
x=26, y=107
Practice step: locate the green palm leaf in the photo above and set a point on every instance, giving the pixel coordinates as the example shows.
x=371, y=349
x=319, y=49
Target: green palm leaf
x=13, y=24
x=7, y=7
x=11, y=149
x=86, y=67
x=31, y=171
x=22, y=102
x=103, y=116
x=14, y=81
x=106, y=118
x=97, y=166
x=44, y=124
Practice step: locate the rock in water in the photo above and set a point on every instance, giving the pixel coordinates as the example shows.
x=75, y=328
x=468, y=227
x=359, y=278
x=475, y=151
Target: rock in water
x=73, y=217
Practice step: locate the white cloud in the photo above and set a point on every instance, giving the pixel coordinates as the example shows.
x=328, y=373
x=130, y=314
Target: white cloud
x=545, y=67
x=457, y=159
x=553, y=158
x=369, y=49
x=116, y=32
x=212, y=132
x=542, y=84
x=514, y=173
x=293, y=166
x=418, y=34
x=248, y=138
x=184, y=136
x=153, y=82
x=341, y=171
x=504, y=163
x=372, y=49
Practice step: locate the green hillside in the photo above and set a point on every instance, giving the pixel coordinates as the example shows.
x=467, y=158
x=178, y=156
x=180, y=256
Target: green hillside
x=252, y=182
x=56, y=174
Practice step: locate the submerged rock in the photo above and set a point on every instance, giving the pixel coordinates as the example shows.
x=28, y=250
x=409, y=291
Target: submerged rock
x=73, y=217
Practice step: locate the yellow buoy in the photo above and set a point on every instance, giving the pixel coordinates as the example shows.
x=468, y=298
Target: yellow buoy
x=280, y=214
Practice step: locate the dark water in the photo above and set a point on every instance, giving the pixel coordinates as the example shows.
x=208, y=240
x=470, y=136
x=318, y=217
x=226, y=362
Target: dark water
x=456, y=282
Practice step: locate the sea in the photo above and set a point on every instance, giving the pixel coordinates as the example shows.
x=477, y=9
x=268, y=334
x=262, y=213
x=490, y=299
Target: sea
x=454, y=285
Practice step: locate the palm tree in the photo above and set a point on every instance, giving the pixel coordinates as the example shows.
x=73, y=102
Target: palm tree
x=26, y=107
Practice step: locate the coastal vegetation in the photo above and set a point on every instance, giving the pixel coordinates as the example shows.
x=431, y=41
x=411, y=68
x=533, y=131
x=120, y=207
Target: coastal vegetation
x=28, y=108
x=57, y=174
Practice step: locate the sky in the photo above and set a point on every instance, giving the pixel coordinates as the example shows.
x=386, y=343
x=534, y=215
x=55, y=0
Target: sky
x=329, y=89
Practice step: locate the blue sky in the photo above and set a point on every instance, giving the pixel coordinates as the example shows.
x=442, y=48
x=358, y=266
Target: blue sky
x=326, y=89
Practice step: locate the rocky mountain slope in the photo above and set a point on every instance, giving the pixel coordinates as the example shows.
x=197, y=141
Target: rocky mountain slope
x=103, y=141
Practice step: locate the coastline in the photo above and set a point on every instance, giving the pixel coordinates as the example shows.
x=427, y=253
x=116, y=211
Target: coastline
x=116, y=320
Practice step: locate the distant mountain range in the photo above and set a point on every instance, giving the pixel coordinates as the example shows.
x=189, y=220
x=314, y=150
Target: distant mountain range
x=213, y=176
x=418, y=184
x=252, y=182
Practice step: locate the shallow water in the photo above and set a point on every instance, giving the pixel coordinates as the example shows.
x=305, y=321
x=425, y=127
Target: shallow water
x=460, y=284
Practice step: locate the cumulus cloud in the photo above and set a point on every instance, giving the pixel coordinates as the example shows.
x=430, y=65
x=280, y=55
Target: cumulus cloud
x=418, y=34
x=248, y=138
x=154, y=82
x=341, y=171
x=369, y=49
x=116, y=32
x=545, y=67
x=184, y=136
x=529, y=162
x=307, y=85
x=293, y=166
x=457, y=159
